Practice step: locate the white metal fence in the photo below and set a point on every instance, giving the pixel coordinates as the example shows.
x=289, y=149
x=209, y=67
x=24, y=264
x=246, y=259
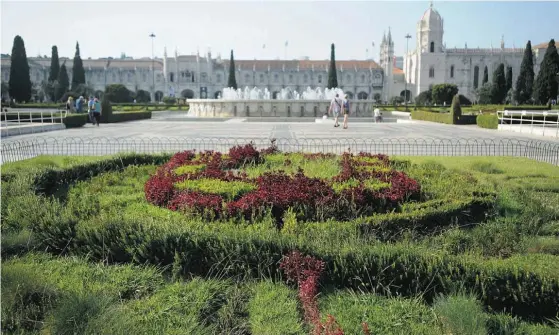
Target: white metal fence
x=544, y=123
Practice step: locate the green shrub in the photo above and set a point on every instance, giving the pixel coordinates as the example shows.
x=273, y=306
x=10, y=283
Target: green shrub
x=273, y=310
x=106, y=110
x=456, y=110
x=180, y=308
x=128, y=116
x=75, y=120
x=382, y=315
x=433, y=117
x=490, y=121
x=229, y=190
x=460, y=315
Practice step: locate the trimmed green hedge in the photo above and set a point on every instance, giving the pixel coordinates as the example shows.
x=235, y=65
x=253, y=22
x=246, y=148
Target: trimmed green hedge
x=129, y=116
x=75, y=120
x=525, y=285
x=445, y=118
x=490, y=121
x=433, y=117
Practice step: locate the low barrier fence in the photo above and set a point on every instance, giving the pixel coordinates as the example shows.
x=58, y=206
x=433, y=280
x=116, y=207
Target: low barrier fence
x=545, y=123
x=543, y=151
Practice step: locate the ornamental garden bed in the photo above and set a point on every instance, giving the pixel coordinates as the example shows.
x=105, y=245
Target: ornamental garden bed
x=422, y=229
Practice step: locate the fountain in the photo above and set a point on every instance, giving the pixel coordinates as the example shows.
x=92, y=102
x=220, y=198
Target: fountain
x=254, y=102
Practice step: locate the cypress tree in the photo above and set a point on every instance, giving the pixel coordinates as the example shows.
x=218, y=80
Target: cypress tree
x=499, y=87
x=525, y=81
x=62, y=82
x=546, y=85
x=20, y=81
x=78, y=73
x=332, y=74
x=485, y=76
x=508, y=77
x=54, y=64
x=232, y=82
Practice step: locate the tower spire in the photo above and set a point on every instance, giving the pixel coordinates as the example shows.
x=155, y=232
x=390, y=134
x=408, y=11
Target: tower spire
x=431, y=4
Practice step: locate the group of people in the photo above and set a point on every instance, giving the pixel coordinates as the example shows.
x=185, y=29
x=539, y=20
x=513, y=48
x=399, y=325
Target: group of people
x=339, y=106
x=93, y=108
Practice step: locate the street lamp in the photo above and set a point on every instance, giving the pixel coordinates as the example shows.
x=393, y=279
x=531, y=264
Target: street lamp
x=408, y=36
x=152, y=35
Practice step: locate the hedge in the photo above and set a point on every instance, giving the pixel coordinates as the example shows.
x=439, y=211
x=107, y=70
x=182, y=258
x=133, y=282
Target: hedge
x=490, y=121
x=129, y=116
x=523, y=285
x=75, y=120
x=433, y=117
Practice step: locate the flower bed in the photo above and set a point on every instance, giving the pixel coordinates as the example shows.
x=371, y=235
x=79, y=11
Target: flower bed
x=218, y=186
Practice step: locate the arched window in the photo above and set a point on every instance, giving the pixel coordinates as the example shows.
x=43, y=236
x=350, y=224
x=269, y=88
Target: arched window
x=452, y=71
x=362, y=79
x=218, y=78
x=291, y=79
x=320, y=79
x=431, y=72
x=171, y=77
x=261, y=78
x=476, y=76
x=432, y=47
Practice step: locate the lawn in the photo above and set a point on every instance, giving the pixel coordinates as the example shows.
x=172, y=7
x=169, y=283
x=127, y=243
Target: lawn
x=264, y=242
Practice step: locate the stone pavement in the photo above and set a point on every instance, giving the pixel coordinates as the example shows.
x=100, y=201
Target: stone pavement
x=255, y=129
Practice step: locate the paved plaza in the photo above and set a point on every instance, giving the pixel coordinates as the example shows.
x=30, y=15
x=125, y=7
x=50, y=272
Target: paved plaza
x=256, y=129
x=165, y=134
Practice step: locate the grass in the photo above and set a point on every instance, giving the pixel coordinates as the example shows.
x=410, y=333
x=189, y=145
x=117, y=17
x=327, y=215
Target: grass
x=108, y=219
x=229, y=190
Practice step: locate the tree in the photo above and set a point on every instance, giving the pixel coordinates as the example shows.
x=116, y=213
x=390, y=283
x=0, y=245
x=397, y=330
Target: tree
x=525, y=81
x=78, y=73
x=424, y=98
x=62, y=83
x=508, y=78
x=106, y=111
x=54, y=64
x=485, y=76
x=545, y=87
x=443, y=93
x=332, y=74
x=232, y=82
x=456, y=109
x=377, y=97
x=117, y=93
x=484, y=93
x=499, y=86
x=20, y=81
x=143, y=96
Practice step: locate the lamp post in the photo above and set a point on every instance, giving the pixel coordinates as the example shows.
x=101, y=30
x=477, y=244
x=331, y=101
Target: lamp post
x=152, y=35
x=408, y=36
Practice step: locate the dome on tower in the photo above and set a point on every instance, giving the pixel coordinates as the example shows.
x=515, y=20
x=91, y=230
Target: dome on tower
x=431, y=18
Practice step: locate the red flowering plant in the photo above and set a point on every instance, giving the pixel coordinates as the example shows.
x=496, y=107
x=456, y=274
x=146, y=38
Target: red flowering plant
x=365, y=184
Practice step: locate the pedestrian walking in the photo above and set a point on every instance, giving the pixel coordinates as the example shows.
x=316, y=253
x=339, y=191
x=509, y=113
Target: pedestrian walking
x=335, y=108
x=346, y=110
x=97, y=111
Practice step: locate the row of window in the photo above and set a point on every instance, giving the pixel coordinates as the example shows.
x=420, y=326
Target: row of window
x=476, y=74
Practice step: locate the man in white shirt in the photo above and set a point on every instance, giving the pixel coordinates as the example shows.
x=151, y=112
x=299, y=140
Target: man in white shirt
x=336, y=107
x=378, y=118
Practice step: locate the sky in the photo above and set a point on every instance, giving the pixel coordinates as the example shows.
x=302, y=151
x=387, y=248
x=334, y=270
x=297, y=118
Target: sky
x=105, y=28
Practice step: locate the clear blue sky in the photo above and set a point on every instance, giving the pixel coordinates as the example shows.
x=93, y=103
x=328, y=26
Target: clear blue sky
x=108, y=28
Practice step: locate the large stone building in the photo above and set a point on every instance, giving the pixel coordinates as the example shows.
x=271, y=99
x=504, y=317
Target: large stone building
x=197, y=76
x=431, y=62
x=202, y=76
